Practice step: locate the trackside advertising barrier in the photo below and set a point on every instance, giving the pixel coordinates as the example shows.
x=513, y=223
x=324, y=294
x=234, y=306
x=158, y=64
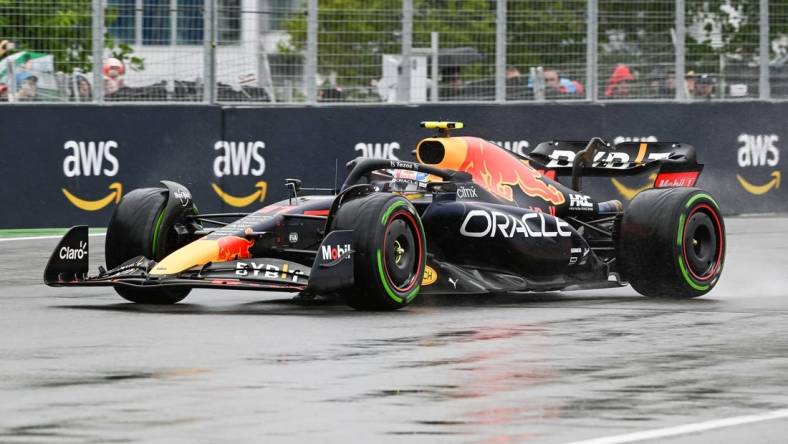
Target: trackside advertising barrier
x=67, y=165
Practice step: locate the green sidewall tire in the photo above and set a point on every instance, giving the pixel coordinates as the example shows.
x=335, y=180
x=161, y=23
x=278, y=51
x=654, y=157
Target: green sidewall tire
x=136, y=228
x=370, y=218
x=658, y=233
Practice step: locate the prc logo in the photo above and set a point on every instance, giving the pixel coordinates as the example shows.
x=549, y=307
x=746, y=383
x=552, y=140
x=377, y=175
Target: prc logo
x=92, y=159
x=239, y=159
x=759, y=151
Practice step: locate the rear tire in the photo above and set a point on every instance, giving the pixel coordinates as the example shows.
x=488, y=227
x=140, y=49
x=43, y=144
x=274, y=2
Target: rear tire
x=138, y=228
x=672, y=243
x=389, y=251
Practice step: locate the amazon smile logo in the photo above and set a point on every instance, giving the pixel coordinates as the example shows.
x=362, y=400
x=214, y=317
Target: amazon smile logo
x=116, y=191
x=87, y=159
x=629, y=193
x=758, y=150
x=239, y=159
x=243, y=201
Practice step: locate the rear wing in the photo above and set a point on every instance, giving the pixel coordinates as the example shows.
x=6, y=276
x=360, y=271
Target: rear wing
x=677, y=163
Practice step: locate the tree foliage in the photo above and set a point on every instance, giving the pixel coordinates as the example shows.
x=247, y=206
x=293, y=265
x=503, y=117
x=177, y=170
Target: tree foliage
x=352, y=34
x=62, y=28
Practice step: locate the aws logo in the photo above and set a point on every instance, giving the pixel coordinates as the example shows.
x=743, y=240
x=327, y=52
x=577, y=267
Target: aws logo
x=519, y=147
x=759, y=151
x=378, y=150
x=239, y=159
x=92, y=159
x=628, y=192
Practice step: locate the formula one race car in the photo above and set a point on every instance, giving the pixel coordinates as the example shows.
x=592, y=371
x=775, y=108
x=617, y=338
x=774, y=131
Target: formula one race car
x=467, y=217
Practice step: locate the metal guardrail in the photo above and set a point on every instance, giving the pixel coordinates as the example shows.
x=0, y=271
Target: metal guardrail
x=289, y=52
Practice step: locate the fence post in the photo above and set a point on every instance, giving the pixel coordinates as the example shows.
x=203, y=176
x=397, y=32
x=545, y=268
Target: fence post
x=98, y=49
x=434, y=74
x=209, y=52
x=310, y=63
x=592, y=29
x=680, y=45
x=763, y=61
x=403, y=83
x=500, y=51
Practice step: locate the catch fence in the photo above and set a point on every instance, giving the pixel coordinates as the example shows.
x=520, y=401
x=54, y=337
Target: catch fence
x=310, y=52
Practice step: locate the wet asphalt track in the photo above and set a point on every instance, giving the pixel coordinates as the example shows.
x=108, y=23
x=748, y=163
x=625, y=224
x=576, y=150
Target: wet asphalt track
x=79, y=365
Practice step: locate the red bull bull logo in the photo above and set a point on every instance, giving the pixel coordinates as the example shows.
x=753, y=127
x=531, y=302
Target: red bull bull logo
x=233, y=248
x=496, y=170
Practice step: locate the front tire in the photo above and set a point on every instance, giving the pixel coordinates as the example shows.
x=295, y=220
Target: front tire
x=142, y=225
x=672, y=243
x=389, y=251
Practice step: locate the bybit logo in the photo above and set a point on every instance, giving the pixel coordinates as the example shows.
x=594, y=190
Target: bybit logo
x=92, y=159
x=239, y=159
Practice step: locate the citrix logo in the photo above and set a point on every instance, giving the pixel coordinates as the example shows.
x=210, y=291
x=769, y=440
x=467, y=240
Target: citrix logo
x=378, y=150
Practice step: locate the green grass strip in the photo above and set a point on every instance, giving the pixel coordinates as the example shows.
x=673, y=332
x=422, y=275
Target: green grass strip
x=688, y=279
x=388, y=289
x=35, y=232
x=391, y=208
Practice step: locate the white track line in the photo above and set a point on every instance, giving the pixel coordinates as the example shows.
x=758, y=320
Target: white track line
x=9, y=239
x=686, y=429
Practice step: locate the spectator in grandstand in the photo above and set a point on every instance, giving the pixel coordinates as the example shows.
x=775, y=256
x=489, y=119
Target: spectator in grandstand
x=556, y=84
x=517, y=87
x=704, y=87
x=113, y=70
x=690, y=80
x=452, y=87
x=27, y=87
x=83, y=91
x=6, y=47
x=618, y=86
x=331, y=94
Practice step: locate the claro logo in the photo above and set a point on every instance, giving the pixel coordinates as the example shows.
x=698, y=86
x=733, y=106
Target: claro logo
x=758, y=151
x=86, y=159
x=239, y=159
x=70, y=253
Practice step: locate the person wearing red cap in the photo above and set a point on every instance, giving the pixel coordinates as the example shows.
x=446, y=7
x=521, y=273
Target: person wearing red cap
x=113, y=70
x=618, y=84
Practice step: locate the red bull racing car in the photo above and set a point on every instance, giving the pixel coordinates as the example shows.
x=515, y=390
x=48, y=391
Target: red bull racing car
x=466, y=217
